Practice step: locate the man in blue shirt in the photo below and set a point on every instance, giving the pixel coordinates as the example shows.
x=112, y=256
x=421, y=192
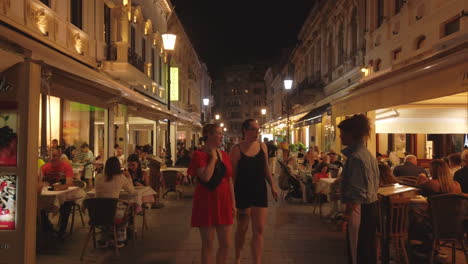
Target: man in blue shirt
x=359, y=186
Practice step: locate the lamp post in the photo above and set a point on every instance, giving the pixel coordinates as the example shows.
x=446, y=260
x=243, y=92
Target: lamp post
x=169, y=41
x=263, y=111
x=288, y=83
x=217, y=117
x=206, y=103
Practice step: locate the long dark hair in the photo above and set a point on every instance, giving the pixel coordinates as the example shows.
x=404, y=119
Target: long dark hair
x=246, y=125
x=68, y=151
x=134, y=158
x=111, y=168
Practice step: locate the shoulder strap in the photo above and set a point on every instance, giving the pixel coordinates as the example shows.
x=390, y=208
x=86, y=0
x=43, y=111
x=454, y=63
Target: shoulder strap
x=217, y=153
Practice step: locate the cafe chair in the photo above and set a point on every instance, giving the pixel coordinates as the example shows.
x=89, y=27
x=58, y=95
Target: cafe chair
x=76, y=206
x=448, y=213
x=101, y=213
x=392, y=229
x=170, y=181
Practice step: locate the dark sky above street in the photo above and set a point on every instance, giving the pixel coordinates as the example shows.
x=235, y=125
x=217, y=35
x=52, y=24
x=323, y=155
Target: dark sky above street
x=226, y=32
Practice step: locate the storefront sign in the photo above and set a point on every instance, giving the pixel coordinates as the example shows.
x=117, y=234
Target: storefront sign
x=7, y=202
x=174, y=84
x=8, y=138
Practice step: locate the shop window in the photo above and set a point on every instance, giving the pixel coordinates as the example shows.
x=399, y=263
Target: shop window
x=396, y=54
x=420, y=41
x=76, y=13
x=451, y=26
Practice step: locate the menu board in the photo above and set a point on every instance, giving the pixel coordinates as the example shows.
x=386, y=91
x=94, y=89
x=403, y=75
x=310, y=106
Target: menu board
x=8, y=139
x=7, y=201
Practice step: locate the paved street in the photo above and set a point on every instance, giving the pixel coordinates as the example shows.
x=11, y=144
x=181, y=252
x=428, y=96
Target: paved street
x=293, y=235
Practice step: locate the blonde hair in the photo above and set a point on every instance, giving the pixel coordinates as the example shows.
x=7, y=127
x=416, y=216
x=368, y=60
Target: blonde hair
x=440, y=171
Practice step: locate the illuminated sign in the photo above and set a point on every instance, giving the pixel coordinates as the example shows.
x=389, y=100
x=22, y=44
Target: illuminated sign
x=7, y=201
x=174, y=84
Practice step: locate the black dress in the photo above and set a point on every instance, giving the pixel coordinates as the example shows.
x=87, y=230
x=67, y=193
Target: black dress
x=250, y=185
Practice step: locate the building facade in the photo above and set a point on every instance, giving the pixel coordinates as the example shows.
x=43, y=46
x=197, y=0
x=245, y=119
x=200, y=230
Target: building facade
x=88, y=71
x=396, y=61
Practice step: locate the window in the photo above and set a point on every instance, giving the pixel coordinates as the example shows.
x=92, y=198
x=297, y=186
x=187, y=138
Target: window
x=380, y=12
x=420, y=41
x=160, y=64
x=354, y=32
x=107, y=31
x=132, y=39
x=153, y=64
x=396, y=54
x=46, y=2
x=377, y=65
x=340, y=46
x=398, y=5
x=76, y=13
x=452, y=26
x=143, y=49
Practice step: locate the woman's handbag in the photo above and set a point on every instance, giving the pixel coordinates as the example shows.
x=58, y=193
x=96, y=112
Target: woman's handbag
x=218, y=175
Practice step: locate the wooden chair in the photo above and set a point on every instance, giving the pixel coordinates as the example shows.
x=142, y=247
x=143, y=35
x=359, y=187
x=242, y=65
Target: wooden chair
x=76, y=206
x=101, y=213
x=170, y=182
x=398, y=231
x=448, y=213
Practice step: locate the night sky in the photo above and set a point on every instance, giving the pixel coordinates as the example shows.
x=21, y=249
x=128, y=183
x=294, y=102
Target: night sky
x=226, y=32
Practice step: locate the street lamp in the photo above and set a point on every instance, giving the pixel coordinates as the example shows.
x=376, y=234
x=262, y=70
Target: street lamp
x=288, y=83
x=169, y=41
x=263, y=111
x=221, y=125
x=206, y=101
x=217, y=117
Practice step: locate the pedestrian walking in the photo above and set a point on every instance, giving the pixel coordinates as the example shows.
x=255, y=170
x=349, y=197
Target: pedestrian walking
x=359, y=185
x=213, y=201
x=251, y=172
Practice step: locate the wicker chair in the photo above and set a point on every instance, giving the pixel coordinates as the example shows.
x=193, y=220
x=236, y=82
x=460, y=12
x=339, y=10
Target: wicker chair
x=448, y=213
x=101, y=213
x=170, y=182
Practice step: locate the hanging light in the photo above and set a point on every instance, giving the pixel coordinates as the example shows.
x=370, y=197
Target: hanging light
x=169, y=41
x=206, y=101
x=288, y=82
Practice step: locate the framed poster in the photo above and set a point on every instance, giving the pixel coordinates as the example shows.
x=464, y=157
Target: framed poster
x=8, y=138
x=7, y=201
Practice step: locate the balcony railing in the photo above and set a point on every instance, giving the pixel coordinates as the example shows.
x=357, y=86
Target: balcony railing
x=136, y=60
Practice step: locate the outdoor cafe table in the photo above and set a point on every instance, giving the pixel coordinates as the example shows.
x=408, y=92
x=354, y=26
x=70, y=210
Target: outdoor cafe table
x=393, y=190
x=182, y=171
x=52, y=200
x=324, y=184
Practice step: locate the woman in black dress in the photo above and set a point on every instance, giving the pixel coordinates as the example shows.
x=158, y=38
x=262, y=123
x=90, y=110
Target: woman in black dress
x=251, y=172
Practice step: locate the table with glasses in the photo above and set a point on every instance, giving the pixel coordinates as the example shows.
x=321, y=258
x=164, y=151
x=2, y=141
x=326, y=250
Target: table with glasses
x=52, y=200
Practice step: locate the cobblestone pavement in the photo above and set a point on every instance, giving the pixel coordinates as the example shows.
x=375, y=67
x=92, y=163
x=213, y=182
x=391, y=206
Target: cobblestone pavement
x=293, y=235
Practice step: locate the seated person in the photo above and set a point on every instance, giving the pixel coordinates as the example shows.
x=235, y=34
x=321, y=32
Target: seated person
x=135, y=173
x=335, y=165
x=108, y=185
x=385, y=175
x=86, y=158
x=293, y=166
x=184, y=160
x=441, y=180
x=461, y=175
x=322, y=172
x=146, y=150
x=409, y=167
x=57, y=171
x=310, y=160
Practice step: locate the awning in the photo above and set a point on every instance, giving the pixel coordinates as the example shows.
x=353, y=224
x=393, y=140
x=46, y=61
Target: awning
x=440, y=75
x=314, y=116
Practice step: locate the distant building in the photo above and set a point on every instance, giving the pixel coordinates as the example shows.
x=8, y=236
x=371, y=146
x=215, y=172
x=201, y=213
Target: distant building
x=240, y=93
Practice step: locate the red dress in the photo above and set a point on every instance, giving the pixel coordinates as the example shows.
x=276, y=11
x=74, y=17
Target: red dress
x=211, y=208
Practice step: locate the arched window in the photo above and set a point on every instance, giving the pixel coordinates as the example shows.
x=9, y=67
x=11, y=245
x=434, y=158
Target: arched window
x=340, y=45
x=330, y=53
x=420, y=41
x=353, y=32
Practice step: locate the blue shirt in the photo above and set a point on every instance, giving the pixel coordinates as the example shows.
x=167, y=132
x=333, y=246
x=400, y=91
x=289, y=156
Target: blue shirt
x=360, y=176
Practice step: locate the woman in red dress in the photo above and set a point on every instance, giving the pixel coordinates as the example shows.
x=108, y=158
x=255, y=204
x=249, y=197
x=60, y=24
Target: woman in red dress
x=213, y=207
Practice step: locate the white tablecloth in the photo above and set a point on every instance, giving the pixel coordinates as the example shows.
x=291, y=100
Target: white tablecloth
x=323, y=185
x=144, y=195
x=52, y=200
